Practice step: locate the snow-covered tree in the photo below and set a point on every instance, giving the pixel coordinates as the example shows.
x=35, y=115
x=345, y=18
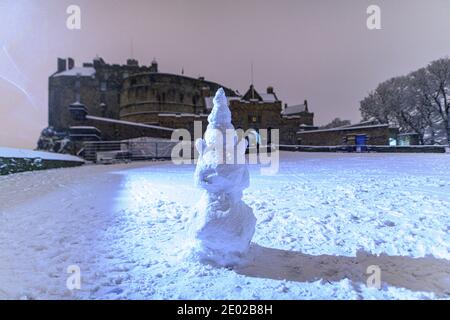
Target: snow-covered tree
x=335, y=123
x=418, y=102
x=422, y=102
x=376, y=104
x=433, y=84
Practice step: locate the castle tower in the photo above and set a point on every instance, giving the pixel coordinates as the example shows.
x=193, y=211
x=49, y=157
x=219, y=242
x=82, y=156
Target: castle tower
x=154, y=66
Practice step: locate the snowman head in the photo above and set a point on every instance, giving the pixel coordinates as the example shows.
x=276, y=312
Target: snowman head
x=219, y=120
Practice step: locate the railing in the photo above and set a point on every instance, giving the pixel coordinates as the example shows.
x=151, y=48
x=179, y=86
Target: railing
x=134, y=150
x=368, y=148
x=124, y=151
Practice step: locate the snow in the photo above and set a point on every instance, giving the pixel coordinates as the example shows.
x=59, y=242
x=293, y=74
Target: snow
x=82, y=71
x=268, y=97
x=83, y=127
x=222, y=224
x=346, y=128
x=320, y=222
x=31, y=154
x=129, y=123
x=294, y=109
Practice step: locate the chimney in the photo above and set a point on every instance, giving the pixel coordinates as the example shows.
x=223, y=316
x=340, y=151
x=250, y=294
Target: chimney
x=306, y=105
x=132, y=62
x=70, y=63
x=61, y=65
x=270, y=90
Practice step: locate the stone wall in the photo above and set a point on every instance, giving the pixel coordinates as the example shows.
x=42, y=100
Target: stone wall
x=268, y=116
x=125, y=131
x=254, y=115
x=144, y=96
x=184, y=122
x=100, y=94
x=335, y=137
x=140, y=94
x=290, y=125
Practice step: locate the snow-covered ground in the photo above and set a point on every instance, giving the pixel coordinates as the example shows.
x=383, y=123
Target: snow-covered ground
x=321, y=222
x=32, y=154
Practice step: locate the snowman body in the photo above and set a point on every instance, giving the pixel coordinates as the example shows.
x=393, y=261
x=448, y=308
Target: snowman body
x=223, y=225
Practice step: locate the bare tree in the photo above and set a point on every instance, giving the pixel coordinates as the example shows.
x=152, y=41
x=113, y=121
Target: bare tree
x=335, y=123
x=422, y=100
x=434, y=86
x=418, y=102
x=404, y=107
x=374, y=106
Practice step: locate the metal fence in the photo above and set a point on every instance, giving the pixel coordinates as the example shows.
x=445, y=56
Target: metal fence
x=368, y=148
x=125, y=151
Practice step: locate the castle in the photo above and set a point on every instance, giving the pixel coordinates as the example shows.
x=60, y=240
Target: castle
x=120, y=96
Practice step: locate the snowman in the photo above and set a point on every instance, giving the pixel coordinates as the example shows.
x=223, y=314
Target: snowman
x=222, y=225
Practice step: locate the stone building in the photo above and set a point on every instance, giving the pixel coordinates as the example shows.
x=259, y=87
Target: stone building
x=255, y=110
x=117, y=97
x=358, y=134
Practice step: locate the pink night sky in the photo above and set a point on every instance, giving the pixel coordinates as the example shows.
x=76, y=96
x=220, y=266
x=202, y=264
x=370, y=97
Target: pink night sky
x=318, y=50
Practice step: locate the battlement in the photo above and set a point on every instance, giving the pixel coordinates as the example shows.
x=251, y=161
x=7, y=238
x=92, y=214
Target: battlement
x=65, y=65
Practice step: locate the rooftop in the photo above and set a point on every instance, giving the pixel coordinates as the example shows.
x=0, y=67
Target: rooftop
x=292, y=110
x=82, y=71
x=345, y=128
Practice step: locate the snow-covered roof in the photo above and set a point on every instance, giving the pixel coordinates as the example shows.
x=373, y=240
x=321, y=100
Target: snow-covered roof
x=305, y=126
x=363, y=123
x=129, y=123
x=253, y=95
x=82, y=71
x=268, y=97
x=294, y=109
x=77, y=103
x=84, y=128
x=31, y=154
x=345, y=128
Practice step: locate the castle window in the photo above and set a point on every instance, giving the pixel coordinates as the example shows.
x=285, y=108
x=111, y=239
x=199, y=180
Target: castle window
x=253, y=119
x=133, y=81
x=181, y=97
x=103, y=86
